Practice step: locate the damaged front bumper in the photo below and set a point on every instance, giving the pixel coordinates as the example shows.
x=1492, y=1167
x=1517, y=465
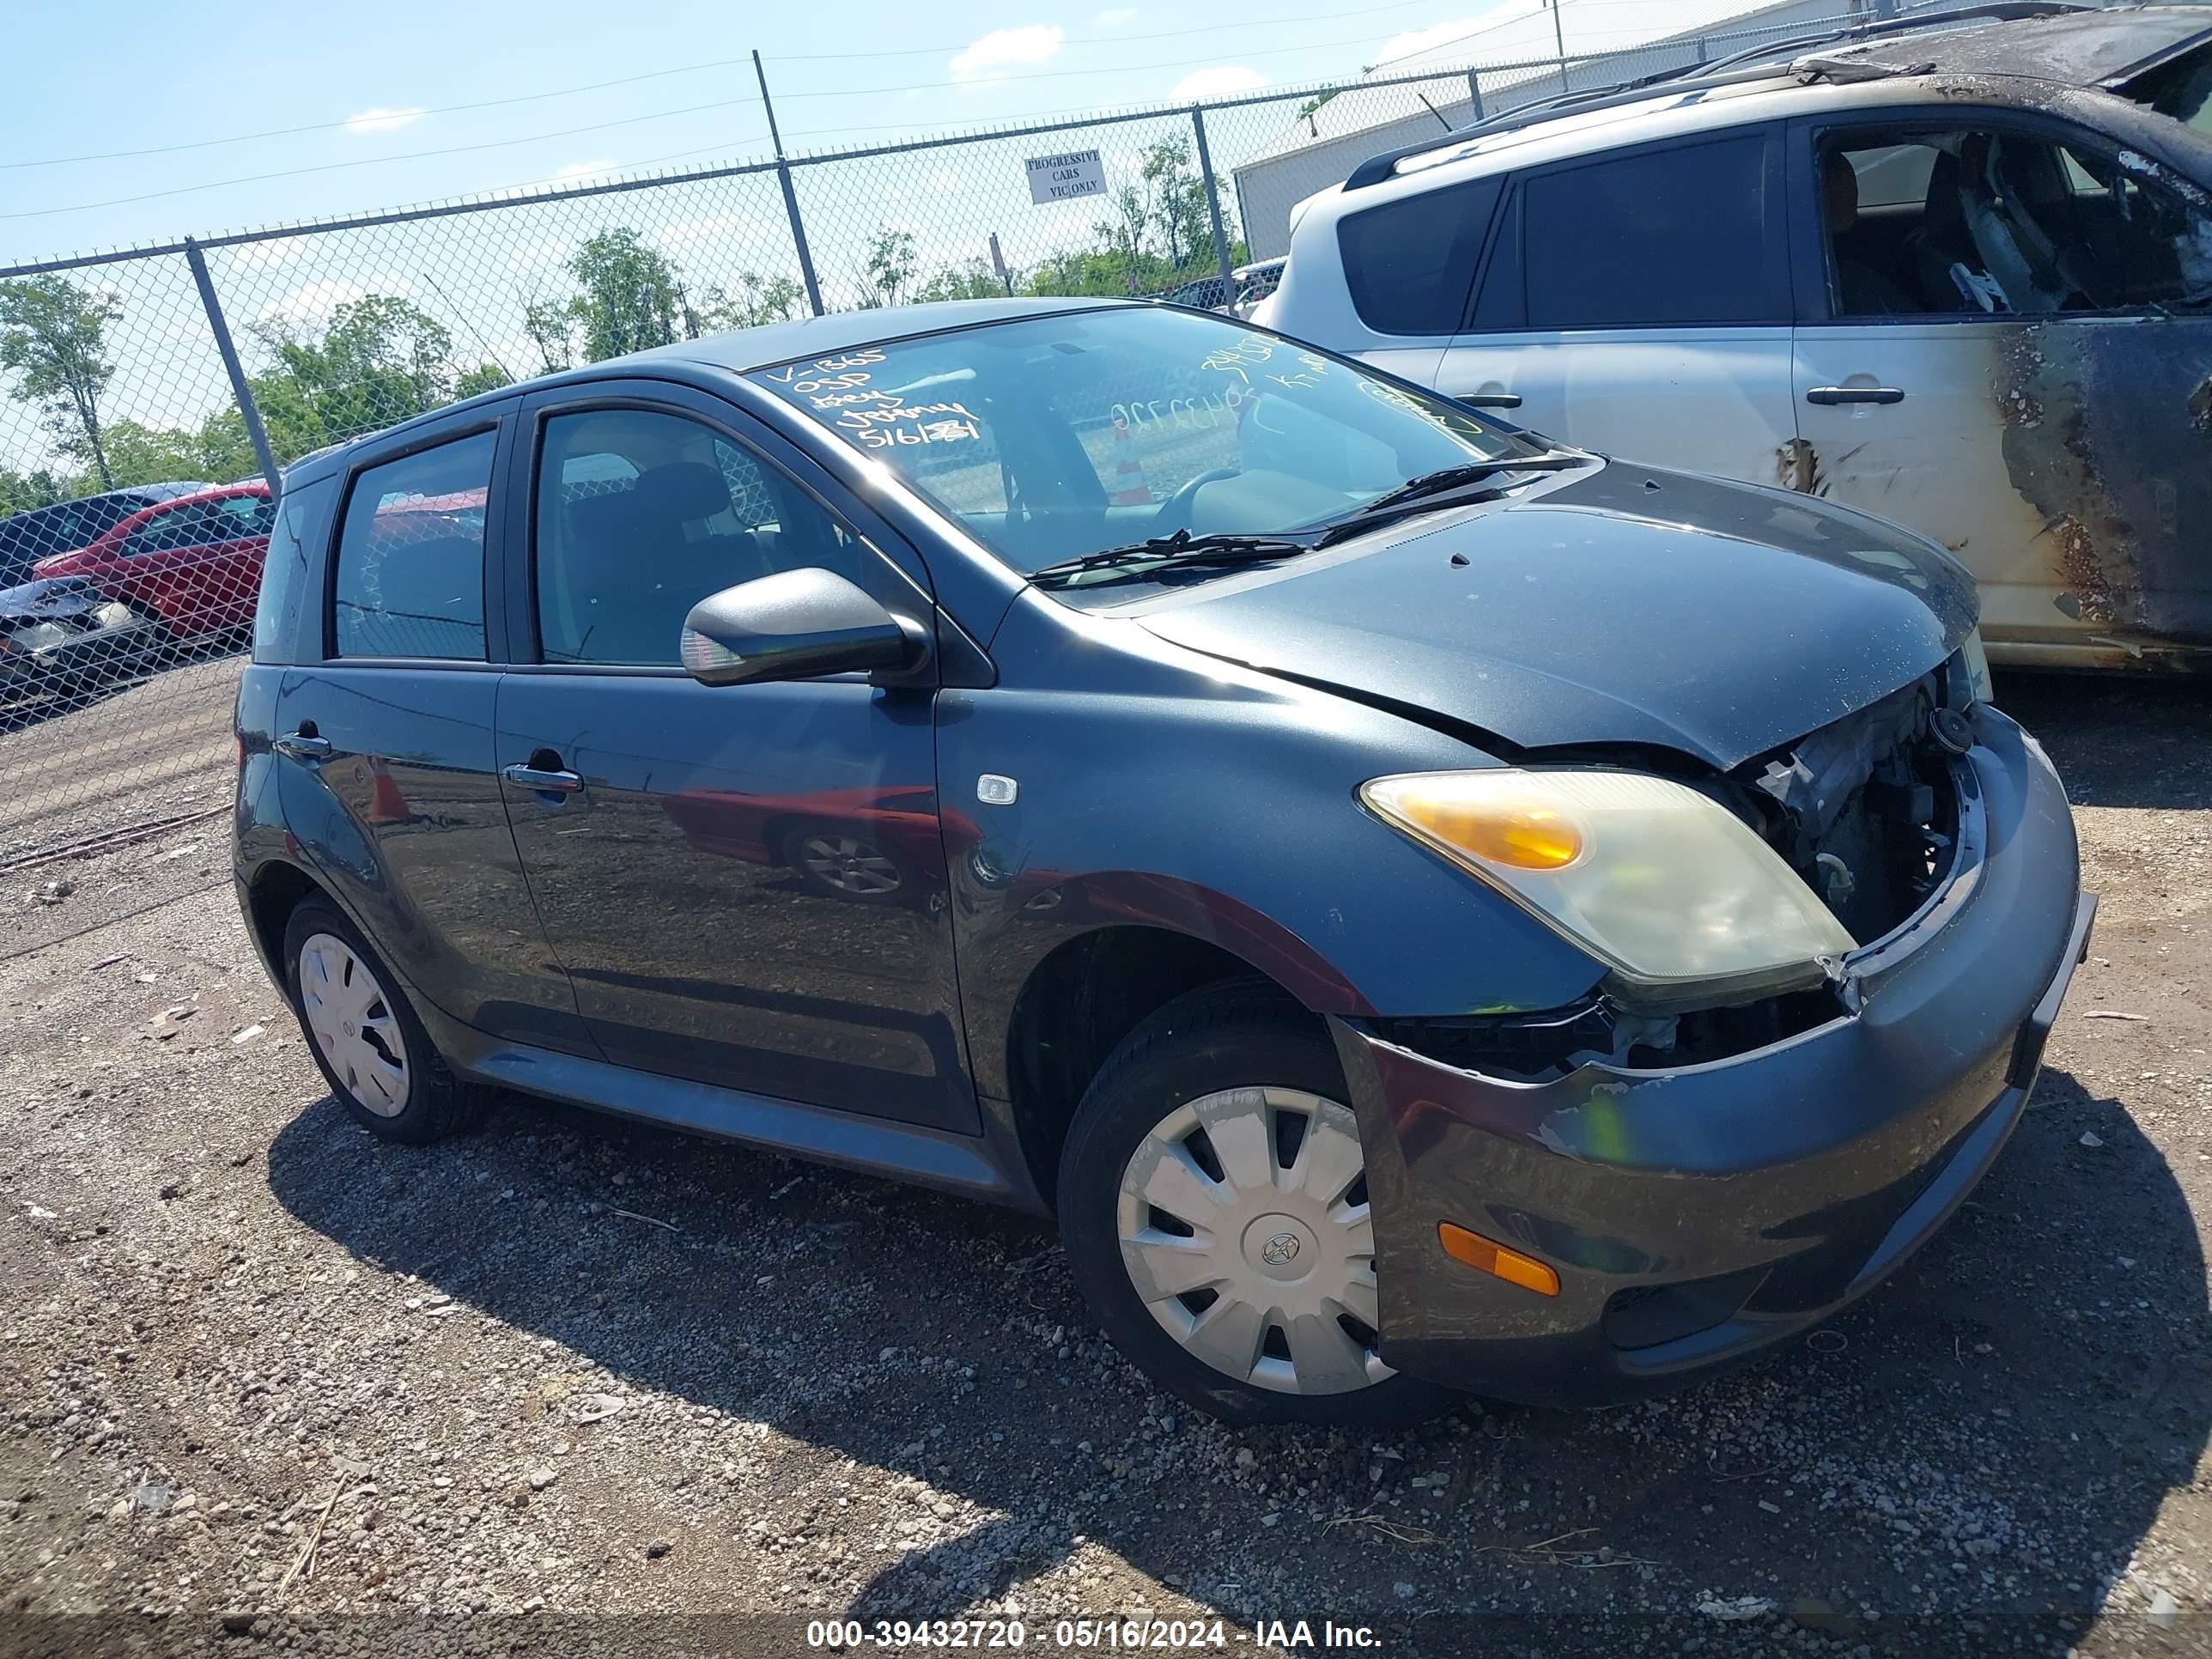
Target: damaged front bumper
x=1695, y=1213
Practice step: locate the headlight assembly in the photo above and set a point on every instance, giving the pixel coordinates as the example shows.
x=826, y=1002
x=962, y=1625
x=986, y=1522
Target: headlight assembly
x=1676, y=895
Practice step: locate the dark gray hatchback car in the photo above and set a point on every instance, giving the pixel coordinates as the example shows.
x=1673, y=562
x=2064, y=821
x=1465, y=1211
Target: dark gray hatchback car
x=1425, y=908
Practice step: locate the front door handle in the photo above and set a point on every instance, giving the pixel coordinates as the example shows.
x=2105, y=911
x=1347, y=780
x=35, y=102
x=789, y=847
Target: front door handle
x=1490, y=400
x=302, y=745
x=1829, y=396
x=546, y=780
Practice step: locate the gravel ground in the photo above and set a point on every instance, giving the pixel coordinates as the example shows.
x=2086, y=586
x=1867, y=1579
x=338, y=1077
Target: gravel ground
x=570, y=1382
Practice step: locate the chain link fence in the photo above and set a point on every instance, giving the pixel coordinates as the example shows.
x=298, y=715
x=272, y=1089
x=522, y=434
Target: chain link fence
x=144, y=394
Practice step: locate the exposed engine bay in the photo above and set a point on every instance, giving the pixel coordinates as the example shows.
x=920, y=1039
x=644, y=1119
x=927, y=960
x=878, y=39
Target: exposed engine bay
x=1864, y=810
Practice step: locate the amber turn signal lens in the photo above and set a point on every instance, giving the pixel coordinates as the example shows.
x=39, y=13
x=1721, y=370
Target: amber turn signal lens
x=1522, y=836
x=1491, y=1257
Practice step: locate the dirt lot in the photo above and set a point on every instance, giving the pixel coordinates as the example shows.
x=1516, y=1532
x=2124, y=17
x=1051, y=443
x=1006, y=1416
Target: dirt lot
x=268, y=1384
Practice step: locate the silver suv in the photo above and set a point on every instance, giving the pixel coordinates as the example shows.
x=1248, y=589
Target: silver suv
x=1956, y=273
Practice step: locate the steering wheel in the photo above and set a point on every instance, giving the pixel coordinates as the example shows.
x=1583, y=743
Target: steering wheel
x=1175, y=511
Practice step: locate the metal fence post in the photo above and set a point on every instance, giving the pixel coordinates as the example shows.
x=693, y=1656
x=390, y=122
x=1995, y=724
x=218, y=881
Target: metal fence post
x=1474, y=93
x=236, y=370
x=1213, y=206
x=790, y=196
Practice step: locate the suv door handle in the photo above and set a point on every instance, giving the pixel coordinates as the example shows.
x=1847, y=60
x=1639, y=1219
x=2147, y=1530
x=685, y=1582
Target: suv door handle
x=1828, y=395
x=1489, y=399
x=546, y=780
x=302, y=745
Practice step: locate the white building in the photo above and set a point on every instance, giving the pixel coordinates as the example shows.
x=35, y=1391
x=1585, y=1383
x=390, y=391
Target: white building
x=1518, y=57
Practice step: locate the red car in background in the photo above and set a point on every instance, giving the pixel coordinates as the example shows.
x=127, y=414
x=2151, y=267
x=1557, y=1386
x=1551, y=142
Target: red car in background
x=194, y=562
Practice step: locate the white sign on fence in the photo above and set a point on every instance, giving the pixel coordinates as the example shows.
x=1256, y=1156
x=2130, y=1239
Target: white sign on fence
x=1065, y=178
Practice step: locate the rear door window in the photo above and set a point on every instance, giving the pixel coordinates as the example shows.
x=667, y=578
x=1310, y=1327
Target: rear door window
x=1409, y=264
x=410, y=560
x=1673, y=238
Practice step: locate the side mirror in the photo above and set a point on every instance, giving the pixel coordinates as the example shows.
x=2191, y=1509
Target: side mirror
x=795, y=625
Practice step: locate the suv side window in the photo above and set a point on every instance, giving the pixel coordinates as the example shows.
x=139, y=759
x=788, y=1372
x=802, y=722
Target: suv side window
x=1669, y=238
x=304, y=518
x=2000, y=221
x=1408, y=264
x=409, y=576
x=643, y=514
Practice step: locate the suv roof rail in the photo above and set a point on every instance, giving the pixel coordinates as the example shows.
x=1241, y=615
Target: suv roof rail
x=1734, y=69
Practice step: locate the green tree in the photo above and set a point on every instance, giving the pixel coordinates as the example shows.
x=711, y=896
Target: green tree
x=1178, y=202
x=756, y=300
x=974, y=281
x=21, y=491
x=484, y=377
x=630, y=299
x=890, y=269
x=551, y=326
x=143, y=455
x=378, y=359
x=54, y=334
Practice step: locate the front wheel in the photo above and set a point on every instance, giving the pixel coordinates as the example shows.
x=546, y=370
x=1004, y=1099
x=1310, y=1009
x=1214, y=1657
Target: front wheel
x=1214, y=1202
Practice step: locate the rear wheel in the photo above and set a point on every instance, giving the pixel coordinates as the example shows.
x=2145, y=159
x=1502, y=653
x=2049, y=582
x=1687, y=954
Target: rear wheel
x=373, y=1050
x=1213, y=1201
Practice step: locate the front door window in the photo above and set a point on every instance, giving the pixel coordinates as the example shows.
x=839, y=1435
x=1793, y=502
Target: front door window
x=1999, y=222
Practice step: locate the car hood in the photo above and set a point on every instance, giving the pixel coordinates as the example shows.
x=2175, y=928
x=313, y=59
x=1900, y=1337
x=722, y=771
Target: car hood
x=1619, y=606
x=49, y=600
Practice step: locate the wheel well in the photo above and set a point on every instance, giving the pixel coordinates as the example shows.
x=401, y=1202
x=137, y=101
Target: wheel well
x=1079, y=1003
x=277, y=891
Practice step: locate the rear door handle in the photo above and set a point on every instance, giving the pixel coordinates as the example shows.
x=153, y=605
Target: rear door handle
x=1490, y=400
x=302, y=745
x=1828, y=395
x=545, y=780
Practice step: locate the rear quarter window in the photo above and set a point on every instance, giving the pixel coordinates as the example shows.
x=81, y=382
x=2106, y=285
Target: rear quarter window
x=411, y=571
x=302, y=525
x=1409, y=264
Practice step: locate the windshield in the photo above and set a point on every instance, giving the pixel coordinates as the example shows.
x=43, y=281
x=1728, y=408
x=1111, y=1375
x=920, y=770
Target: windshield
x=29, y=537
x=1049, y=438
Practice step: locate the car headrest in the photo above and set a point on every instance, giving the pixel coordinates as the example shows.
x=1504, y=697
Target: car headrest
x=683, y=490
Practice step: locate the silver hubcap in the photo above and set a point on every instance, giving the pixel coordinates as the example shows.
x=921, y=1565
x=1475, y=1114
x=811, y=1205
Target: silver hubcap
x=353, y=1024
x=1244, y=1227
x=848, y=866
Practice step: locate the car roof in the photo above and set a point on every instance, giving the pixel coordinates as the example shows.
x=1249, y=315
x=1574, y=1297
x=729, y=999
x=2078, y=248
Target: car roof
x=2040, y=48
x=2072, y=48
x=742, y=351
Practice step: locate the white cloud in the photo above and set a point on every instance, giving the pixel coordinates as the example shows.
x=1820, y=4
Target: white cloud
x=1223, y=81
x=380, y=119
x=1117, y=17
x=990, y=57
x=584, y=169
x=311, y=304
x=1413, y=40
x=266, y=256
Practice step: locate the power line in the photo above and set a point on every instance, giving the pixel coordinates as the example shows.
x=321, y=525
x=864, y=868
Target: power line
x=376, y=161
x=688, y=69
x=791, y=57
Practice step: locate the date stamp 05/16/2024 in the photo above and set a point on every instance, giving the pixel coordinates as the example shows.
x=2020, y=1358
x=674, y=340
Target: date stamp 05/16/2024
x=1112, y=1635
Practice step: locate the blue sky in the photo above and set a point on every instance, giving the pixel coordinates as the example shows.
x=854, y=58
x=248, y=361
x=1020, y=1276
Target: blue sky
x=374, y=86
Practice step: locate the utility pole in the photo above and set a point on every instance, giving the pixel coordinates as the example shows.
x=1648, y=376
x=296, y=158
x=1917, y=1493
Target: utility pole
x=790, y=196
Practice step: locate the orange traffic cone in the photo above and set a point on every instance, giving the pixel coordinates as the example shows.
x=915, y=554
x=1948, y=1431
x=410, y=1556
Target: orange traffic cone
x=1129, y=489
x=386, y=805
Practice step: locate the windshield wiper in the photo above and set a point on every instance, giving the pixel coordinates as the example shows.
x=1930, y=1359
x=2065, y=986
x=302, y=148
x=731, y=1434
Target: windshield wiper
x=1447, y=479
x=1180, y=548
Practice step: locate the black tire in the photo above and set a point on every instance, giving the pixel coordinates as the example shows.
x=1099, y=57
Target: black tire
x=1222, y=1036
x=438, y=1104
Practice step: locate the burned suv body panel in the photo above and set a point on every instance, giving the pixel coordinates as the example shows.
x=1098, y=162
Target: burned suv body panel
x=2050, y=422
